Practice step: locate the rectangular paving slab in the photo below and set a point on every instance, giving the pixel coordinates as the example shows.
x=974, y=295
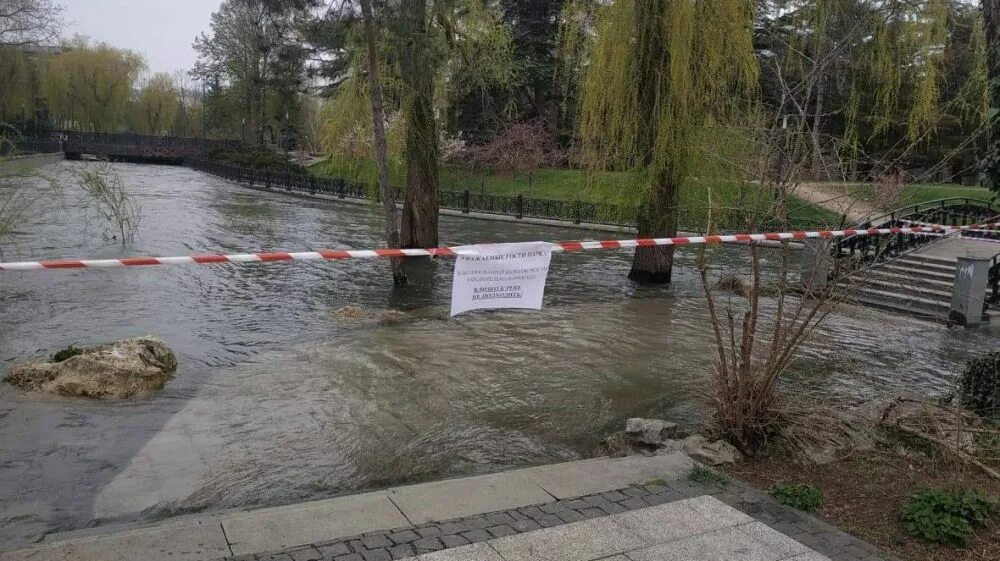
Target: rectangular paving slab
x=606, y=474
x=194, y=541
x=580, y=541
x=283, y=527
x=455, y=498
x=474, y=552
x=728, y=544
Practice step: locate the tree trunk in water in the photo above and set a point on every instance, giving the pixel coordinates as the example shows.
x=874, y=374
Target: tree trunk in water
x=378, y=130
x=420, y=204
x=991, y=163
x=658, y=217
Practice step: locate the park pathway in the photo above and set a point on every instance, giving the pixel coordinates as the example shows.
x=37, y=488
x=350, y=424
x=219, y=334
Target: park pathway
x=836, y=198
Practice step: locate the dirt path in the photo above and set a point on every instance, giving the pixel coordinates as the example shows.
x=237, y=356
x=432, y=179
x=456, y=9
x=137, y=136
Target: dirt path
x=836, y=198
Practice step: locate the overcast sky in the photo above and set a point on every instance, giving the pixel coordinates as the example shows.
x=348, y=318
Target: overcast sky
x=161, y=30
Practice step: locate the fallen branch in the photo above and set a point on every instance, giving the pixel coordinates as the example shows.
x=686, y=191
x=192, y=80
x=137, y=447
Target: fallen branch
x=962, y=455
x=970, y=429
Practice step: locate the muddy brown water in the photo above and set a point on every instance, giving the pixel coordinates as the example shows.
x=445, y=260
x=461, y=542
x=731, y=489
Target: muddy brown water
x=277, y=400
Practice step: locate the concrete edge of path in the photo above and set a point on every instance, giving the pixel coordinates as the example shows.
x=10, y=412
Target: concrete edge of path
x=271, y=529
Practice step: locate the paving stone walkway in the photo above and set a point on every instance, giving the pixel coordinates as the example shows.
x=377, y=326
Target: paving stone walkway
x=642, y=507
x=462, y=538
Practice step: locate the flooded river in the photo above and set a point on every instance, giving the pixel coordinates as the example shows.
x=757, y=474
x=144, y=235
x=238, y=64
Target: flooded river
x=277, y=400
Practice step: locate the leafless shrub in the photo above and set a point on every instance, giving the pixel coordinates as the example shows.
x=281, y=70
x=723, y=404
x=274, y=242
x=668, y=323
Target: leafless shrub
x=112, y=202
x=522, y=146
x=753, y=351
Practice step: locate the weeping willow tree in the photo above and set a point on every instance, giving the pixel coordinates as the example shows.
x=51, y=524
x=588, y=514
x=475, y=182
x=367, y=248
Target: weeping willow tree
x=874, y=84
x=991, y=163
x=659, y=72
x=21, y=79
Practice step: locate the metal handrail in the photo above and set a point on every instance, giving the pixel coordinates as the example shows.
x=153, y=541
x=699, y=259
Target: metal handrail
x=928, y=205
x=869, y=251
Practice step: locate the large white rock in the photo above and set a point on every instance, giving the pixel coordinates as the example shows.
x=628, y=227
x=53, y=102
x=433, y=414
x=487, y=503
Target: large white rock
x=131, y=368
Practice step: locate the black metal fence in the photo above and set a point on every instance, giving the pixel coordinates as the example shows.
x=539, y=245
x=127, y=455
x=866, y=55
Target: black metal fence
x=29, y=146
x=517, y=206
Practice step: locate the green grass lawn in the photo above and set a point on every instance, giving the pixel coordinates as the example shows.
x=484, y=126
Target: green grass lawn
x=925, y=192
x=731, y=202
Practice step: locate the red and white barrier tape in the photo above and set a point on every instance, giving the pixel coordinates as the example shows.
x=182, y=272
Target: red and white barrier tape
x=570, y=246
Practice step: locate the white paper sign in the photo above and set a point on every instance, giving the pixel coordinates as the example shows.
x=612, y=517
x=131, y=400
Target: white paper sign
x=510, y=275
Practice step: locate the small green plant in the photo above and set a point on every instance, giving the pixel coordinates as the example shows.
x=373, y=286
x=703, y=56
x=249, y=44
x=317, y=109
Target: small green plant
x=803, y=497
x=67, y=353
x=947, y=517
x=707, y=477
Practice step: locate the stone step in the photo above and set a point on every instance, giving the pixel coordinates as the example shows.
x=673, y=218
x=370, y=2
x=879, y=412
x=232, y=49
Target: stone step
x=917, y=271
x=924, y=259
x=913, y=309
x=931, y=266
x=908, y=279
x=917, y=307
x=908, y=304
x=907, y=291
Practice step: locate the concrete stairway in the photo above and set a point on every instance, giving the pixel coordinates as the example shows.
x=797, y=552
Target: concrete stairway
x=914, y=284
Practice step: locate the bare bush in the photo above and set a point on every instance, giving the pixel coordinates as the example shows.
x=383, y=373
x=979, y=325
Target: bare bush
x=752, y=351
x=112, y=201
x=522, y=146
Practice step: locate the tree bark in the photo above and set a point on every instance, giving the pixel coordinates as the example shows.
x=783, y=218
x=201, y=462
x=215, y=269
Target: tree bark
x=991, y=163
x=420, y=203
x=658, y=217
x=385, y=191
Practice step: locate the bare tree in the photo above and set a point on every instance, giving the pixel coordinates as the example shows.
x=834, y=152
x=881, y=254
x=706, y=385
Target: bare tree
x=29, y=22
x=378, y=129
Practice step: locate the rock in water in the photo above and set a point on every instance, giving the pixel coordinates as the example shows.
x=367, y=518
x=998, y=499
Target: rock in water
x=353, y=312
x=650, y=431
x=130, y=368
